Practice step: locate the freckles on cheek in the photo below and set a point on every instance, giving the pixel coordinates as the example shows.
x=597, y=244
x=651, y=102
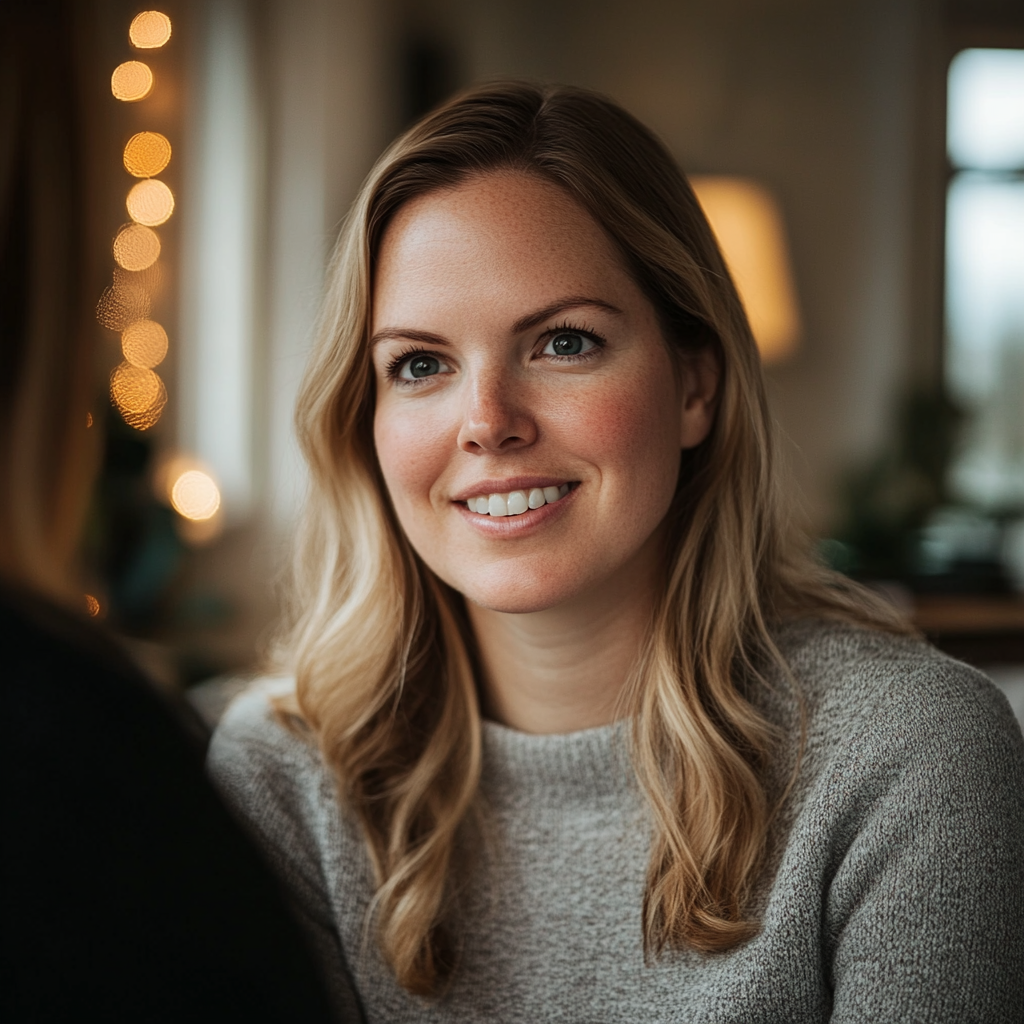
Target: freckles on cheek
x=626, y=422
x=410, y=456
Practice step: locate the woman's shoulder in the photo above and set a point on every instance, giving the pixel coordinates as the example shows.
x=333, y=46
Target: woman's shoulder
x=896, y=696
x=260, y=759
x=252, y=719
x=270, y=773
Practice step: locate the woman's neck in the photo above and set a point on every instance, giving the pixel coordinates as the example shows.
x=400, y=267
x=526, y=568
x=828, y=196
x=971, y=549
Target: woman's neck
x=562, y=669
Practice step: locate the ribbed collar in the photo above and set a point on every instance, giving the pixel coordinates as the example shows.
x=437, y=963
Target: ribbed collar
x=556, y=771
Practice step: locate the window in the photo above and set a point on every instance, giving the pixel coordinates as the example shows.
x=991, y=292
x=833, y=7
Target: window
x=985, y=272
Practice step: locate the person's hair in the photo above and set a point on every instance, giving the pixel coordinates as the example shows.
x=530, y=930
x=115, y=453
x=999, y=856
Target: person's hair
x=380, y=646
x=47, y=335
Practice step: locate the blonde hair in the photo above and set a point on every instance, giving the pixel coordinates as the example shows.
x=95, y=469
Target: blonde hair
x=380, y=646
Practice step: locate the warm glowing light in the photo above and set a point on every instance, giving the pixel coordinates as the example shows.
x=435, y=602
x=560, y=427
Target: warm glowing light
x=144, y=343
x=136, y=247
x=139, y=394
x=151, y=279
x=122, y=304
x=149, y=30
x=150, y=202
x=146, y=154
x=131, y=81
x=748, y=226
x=92, y=606
x=195, y=495
x=88, y=420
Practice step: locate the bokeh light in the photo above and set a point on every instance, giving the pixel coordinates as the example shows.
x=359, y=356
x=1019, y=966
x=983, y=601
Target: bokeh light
x=131, y=81
x=146, y=154
x=195, y=495
x=144, y=343
x=88, y=420
x=92, y=606
x=748, y=225
x=150, y=202
x=136, y=247
x=122, y=304
x=151, y=278
x=139, y=395
x=149, y=30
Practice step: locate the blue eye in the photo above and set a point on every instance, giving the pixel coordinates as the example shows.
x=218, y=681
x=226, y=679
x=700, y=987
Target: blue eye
x=421, y=366
x=568, y=343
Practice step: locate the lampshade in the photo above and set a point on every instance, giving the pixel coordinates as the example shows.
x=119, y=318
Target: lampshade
x=748, y=225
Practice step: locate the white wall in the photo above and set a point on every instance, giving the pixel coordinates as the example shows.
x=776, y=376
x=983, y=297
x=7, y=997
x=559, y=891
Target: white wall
x=328, y=102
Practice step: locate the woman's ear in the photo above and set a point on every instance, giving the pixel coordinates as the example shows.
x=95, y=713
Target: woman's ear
x=699, y=392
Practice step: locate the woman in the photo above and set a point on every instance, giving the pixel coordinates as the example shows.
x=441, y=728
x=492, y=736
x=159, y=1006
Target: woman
x=576, y=731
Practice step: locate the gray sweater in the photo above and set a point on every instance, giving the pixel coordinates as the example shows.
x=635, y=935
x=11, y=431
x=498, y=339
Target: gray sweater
x=894, y=890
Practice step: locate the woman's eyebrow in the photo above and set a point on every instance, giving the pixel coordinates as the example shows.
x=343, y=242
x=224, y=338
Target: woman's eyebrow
x=524, y=323
x=407, y=334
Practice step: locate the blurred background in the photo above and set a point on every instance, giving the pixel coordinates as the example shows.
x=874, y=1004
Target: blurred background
x=862, y=162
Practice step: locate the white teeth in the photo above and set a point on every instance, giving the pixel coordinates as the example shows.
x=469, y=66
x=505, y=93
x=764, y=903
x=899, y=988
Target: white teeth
x=515, y=503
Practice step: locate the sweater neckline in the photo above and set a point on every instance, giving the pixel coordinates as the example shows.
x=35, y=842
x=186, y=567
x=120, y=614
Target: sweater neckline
x=556, y=770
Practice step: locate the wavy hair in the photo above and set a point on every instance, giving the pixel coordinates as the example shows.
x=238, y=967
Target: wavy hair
x=380, y=647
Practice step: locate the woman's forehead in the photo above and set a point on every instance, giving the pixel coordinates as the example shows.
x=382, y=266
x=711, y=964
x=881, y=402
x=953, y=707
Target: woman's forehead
x=498, y=237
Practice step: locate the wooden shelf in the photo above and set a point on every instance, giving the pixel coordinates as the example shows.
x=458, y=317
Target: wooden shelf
x=981, y=629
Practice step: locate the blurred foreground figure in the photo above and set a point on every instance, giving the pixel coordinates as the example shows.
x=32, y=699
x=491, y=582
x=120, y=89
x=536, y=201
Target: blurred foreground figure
x=128, y=892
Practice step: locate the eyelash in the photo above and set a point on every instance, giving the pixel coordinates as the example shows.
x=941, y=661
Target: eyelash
x=396, y=362
x=567, y=327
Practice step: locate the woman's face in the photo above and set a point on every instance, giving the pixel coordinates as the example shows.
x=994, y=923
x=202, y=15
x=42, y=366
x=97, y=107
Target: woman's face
x=529, y=417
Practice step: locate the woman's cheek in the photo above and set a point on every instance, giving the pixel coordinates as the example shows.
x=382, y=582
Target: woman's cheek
x=412, y=453
x=627, y=422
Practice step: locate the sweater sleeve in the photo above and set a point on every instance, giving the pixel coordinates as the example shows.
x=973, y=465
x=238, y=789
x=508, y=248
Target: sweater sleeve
x=925, y=912
x=270, y=779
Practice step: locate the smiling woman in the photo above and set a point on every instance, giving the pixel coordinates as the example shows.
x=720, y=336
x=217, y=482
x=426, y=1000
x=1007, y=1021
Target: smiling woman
x=574, y=726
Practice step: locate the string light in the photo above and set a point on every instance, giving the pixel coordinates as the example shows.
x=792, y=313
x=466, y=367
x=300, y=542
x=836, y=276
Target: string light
x=149, y=30
x=92, y=606
x=146, y=154
x=136, y=247
x=195, y=495
x=131, y=81
x=121, y=305
x=139, y=394
x=144, y=344
x=150, y=279
x=150, y=202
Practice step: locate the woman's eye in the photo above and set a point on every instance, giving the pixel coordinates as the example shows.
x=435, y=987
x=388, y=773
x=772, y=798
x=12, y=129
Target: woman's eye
x=568, y=343
x=421, y=366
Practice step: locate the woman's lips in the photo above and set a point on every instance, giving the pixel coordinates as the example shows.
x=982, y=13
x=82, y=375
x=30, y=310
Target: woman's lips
x=506, y=523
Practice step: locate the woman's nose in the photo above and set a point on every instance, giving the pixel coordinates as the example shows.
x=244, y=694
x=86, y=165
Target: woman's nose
x=497, y=416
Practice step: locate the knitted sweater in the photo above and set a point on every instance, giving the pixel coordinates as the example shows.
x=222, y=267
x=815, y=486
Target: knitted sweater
x=893, y=892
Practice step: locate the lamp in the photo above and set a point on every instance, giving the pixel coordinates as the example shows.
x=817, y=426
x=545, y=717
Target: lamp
x=748, y=225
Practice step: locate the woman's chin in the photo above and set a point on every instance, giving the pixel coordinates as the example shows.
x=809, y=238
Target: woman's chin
x=518, y=596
